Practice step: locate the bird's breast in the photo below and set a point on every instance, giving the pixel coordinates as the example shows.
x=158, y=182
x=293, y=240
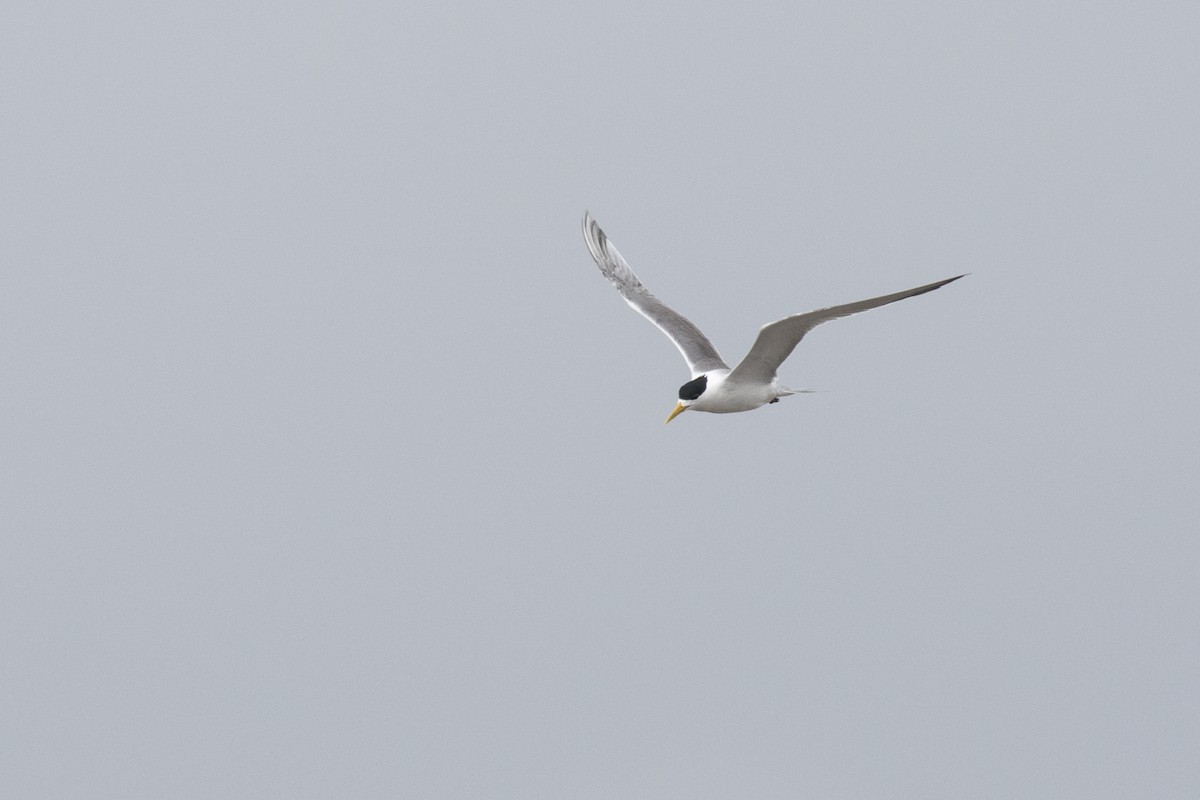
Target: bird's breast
x=727, y=398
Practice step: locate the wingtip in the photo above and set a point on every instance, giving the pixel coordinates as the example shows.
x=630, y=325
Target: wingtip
x=591, y=229
x=594, y=237
x=942, y=283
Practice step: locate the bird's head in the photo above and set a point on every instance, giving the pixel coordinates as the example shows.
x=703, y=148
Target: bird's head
x=688, y=394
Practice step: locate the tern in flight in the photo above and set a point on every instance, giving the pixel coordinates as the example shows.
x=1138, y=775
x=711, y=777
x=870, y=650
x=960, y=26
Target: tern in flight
x=715, y=387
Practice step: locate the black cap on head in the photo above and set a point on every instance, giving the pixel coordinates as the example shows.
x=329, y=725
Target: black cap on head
x=693, y=388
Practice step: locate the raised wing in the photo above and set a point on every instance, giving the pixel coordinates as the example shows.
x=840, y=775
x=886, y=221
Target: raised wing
x=777, y=340
x=701, y=356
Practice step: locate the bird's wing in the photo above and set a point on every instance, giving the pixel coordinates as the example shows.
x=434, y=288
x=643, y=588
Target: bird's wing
x=699, y=352
x=777, y=340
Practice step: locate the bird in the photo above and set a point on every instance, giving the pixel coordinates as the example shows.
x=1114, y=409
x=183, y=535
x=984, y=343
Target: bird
x=714, y=387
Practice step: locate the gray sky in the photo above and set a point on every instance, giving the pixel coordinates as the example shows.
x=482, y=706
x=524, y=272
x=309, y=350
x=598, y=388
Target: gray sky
x=330, y=466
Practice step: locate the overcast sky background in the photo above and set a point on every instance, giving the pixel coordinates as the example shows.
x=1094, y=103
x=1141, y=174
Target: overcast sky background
x=330, y=466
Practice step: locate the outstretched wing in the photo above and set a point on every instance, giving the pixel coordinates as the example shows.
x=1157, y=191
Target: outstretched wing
x=777, y=340
x=701, y=356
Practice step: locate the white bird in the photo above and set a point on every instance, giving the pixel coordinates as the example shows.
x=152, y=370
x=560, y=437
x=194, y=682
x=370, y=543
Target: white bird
x=714, y=387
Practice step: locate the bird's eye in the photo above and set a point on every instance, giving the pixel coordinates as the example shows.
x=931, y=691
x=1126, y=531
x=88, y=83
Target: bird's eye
x=693, y=388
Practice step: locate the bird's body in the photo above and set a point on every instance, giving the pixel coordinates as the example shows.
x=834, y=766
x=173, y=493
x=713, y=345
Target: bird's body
x=714, y=386
x=724, y=396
